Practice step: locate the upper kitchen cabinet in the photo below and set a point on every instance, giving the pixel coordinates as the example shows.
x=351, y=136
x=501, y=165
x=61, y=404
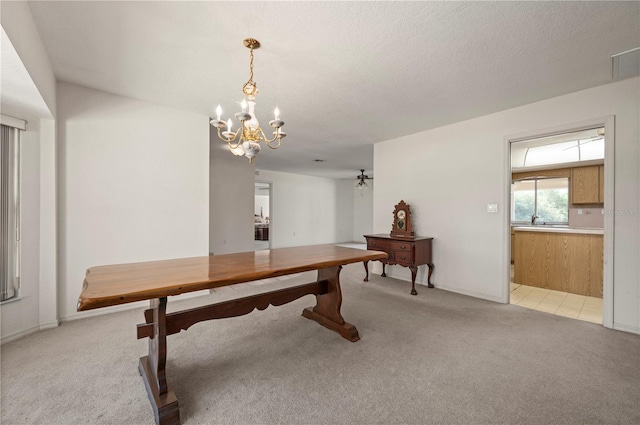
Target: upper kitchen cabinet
x=587, y=186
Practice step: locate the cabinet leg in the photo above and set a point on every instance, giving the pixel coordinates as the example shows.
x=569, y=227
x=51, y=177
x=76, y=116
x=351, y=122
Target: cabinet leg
x=366, y=270
x=414, y=272
x=431, y=267
x=383, y=273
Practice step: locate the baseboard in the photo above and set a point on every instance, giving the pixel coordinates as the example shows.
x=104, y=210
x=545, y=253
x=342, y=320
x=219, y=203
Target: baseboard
x=49, y=325
x=128, y=306
x=472, y=294
x=18, y=335
x=626, y=328
x=482, y=296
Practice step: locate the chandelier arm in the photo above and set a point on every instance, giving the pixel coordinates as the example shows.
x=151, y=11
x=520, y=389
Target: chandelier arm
x=237, y=144
x=273, y=147
x=267, y=140
x=225, y=139
x=229, y=140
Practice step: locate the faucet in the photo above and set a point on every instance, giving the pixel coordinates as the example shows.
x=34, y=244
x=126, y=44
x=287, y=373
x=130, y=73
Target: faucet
x=533, y=219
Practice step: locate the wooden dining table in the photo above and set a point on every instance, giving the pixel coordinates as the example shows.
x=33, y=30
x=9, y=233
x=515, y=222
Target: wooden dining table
x=111, y=285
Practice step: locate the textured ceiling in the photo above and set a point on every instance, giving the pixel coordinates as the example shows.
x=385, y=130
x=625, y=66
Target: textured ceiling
x=345, y=74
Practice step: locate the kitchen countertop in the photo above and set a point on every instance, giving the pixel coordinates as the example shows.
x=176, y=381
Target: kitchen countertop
x=552, y=229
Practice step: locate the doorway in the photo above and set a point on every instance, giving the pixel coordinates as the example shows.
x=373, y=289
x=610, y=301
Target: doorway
x=262, y=216
x=560, y=237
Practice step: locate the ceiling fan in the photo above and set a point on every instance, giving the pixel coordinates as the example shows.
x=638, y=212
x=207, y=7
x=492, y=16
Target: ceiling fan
x=361, y=180
x=597, y=138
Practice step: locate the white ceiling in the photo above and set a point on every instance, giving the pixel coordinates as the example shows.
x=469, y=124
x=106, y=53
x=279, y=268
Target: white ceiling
x=345, y=74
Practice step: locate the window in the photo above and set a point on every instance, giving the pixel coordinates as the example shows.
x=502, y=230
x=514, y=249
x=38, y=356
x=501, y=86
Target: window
x=546, y=198
x=576, y=146
x=9, y=211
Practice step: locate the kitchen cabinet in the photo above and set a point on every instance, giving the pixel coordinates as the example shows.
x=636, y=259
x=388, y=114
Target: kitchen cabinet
x=585, y=185
x=561, y=261
x=601, y=178
x=513, y=243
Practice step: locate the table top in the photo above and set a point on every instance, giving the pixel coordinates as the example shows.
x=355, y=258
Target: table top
x=124, y=283
x=397, y=238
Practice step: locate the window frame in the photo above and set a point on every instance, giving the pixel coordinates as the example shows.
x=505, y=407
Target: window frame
x=535, y=201
x=13, y=216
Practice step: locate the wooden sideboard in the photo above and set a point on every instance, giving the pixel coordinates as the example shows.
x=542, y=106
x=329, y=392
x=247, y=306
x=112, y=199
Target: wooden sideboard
x=406, y=252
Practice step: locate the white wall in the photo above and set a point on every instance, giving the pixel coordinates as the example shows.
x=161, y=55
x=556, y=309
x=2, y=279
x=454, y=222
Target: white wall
x=308, y=210
x=232, y=189
x=48, y=280
x=37, y=307
x=133, y=185
x=458, y=169
x=363, y=212
x=261, y=205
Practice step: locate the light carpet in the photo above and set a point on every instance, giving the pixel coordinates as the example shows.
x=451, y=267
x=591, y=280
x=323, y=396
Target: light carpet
x=435, y=358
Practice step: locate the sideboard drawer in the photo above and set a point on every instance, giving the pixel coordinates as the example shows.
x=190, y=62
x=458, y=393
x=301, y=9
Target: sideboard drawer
x=378, y=245
x=403, y=258
x=401, y=246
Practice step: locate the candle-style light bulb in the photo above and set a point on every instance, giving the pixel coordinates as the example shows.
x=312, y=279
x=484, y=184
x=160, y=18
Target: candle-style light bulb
x=218, y=112
x=276, y=113
x=243, y=105
x=229, y=125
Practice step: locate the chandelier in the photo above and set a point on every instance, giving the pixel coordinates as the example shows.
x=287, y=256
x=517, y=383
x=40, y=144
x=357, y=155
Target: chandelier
x=246, y=140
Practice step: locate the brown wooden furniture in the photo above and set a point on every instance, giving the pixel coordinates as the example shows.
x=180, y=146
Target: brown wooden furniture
x=119, y=284
x=585, y=185
x=567, y=262
x=402, y=226
x=406, y=252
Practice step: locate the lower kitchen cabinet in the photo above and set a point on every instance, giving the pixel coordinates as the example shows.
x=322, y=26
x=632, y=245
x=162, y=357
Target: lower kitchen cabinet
x=567, y=262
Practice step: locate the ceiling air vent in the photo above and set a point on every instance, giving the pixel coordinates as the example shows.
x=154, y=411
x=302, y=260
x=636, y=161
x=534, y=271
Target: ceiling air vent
x=625, y=64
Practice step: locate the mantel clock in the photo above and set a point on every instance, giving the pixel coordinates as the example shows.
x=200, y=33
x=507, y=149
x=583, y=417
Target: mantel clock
x=402, y=223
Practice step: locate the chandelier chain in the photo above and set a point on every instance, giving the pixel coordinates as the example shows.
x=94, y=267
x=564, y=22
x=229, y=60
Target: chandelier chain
x=250, y=83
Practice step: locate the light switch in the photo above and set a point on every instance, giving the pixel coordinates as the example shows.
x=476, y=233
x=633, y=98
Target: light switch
x=492, y=208
x=579, y=211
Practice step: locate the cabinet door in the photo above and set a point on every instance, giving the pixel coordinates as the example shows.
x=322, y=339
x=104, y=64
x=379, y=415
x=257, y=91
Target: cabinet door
x=585, y=185
x=601, y=179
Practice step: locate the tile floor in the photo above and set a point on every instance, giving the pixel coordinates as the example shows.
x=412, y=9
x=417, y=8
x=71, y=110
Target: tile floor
x=574, y=306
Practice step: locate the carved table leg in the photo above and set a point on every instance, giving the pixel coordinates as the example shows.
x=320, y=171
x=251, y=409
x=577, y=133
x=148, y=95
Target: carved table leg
x=431, y=267
x=152, y=369
x=414, y=272
x=383, y=273
x=366, y=269
x=327, y=309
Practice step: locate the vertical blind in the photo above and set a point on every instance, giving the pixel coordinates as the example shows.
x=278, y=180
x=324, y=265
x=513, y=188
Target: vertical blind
x=9, y=211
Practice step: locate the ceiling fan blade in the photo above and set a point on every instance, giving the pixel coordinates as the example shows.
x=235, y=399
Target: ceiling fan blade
x=593, y=139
